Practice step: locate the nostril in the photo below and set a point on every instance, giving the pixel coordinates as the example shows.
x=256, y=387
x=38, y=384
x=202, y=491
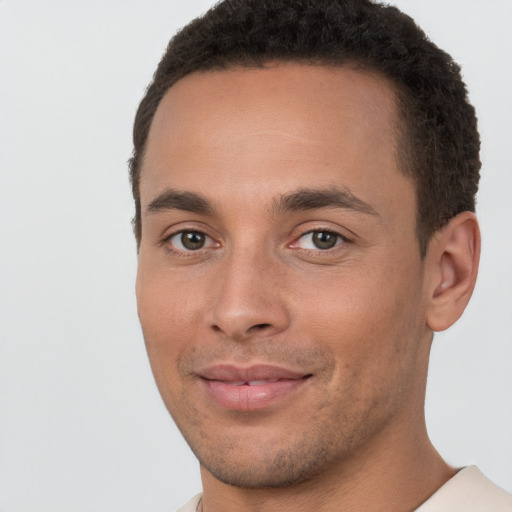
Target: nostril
x=256, y=327
x=260, y=326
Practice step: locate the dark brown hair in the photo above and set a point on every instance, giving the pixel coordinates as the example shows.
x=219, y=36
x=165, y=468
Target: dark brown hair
x=439, y=142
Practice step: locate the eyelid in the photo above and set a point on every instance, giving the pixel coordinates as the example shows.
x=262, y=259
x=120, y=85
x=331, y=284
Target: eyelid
x=184, y=249
x=310, y=234
x=210, y=243
x=341, y=239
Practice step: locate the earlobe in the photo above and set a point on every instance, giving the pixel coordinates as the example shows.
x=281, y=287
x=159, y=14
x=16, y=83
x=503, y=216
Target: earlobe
x=452, y=261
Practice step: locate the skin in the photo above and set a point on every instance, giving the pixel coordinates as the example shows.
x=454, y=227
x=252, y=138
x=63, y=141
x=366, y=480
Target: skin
x=355, y=319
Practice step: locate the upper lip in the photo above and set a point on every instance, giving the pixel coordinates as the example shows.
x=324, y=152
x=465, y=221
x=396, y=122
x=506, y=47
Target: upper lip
x=259, y=372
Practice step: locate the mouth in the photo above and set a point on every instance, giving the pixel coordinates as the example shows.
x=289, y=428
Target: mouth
x=253, y=382
x=251, y=388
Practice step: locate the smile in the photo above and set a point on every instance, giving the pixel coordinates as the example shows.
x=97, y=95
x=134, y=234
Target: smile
x=250, y=389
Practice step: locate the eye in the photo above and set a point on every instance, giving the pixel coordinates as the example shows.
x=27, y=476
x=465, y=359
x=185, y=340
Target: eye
x=190, y=241
x=320, y=240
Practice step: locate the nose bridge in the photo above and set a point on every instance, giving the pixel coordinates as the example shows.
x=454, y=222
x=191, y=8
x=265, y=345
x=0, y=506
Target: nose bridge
x=248, y=298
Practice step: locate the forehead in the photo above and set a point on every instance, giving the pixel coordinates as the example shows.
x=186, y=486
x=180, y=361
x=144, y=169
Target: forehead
x=325, y=95
x=289, y=124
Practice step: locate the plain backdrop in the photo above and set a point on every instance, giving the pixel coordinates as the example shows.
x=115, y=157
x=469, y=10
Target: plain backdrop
x=82, y=427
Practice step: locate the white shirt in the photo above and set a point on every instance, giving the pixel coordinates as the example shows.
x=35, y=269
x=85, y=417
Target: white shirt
x=468, y=491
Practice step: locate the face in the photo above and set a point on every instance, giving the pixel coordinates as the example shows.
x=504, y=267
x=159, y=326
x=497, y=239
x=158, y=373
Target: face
x=280, y=286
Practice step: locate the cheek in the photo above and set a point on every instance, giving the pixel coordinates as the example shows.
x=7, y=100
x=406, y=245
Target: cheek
x=373, y=335
x=369, y=321
x=169, y=316
x=167, y=306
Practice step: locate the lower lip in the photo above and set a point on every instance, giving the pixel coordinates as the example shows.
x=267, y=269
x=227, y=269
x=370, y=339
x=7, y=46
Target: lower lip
x=251, y=398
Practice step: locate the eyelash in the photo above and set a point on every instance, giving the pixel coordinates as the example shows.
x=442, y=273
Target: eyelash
x=184, y=252
x=339, y=240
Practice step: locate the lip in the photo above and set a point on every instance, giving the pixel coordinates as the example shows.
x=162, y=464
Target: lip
x=250, y=388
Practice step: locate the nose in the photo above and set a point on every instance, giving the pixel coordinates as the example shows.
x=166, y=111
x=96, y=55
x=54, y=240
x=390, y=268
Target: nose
x=248, y=298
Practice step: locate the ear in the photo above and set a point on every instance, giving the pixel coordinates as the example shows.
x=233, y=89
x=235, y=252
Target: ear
x=452, y=265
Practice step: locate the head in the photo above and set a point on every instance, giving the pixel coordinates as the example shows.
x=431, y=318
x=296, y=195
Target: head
x=438, y=142
x=304, y=175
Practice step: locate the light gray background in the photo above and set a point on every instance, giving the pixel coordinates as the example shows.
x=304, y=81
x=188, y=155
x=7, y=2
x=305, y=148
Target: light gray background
x=82, y=427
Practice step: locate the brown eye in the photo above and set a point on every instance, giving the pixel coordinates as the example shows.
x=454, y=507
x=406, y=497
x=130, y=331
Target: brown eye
x=324, y=239
x=320, y=240
x=192, y=240
x=188, y=241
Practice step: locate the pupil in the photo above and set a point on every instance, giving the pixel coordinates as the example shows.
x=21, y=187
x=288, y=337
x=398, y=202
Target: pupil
x=324, y=240
x=192, y=240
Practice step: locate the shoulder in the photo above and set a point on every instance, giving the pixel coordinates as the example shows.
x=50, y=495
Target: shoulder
x=191, y=505
x=468, y=491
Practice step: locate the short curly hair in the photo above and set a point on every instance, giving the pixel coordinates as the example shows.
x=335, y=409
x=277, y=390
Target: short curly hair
x=438, y=142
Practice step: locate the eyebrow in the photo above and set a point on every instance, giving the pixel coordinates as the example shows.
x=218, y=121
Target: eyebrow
x=301, y=200
x=176, y=200
x=312, y=199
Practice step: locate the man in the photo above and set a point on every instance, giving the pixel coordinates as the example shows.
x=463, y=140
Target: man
x=304, y=175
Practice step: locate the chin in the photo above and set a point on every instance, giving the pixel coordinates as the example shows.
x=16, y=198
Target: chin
x=269, y=465
x=272, y=476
